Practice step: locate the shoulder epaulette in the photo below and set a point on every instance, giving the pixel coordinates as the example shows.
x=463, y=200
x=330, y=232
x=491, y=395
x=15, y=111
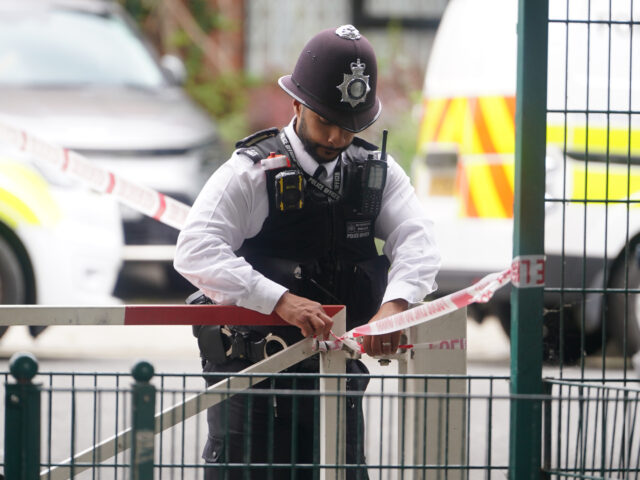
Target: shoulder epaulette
x=359, y=142
x=257, y=137
x=254, y=154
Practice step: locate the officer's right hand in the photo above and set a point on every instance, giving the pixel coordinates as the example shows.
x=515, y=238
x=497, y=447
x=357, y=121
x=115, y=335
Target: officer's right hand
x=307, y=315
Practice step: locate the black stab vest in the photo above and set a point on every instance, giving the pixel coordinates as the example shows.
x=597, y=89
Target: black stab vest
x=325, y=251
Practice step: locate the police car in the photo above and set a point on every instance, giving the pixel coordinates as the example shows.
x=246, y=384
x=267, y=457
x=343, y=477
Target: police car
x=59, y=242
x=78, y=74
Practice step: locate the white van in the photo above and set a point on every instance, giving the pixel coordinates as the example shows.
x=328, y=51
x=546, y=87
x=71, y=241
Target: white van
x=464, y=169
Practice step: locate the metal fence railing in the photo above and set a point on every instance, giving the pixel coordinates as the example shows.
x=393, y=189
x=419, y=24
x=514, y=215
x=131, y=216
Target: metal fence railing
x=591, y=427
x=78, y=410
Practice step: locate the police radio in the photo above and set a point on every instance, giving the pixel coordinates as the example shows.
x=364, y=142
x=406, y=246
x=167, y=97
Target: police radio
x=374, y=178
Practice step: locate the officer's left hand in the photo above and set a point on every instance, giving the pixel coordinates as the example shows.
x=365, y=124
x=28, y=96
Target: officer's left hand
x=385, y=344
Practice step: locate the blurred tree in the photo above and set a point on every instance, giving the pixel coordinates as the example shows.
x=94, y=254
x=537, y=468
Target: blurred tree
x=195, y=31
x=208, y=35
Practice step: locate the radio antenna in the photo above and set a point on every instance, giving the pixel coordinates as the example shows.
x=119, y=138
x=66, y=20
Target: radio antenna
x=383, y=152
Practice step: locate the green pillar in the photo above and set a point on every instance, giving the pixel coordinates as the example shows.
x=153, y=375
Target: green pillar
x=143, y=422
x=528, y=238
x=22, y=420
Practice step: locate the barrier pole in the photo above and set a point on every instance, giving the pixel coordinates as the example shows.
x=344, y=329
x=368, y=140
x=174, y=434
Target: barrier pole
x=184, y=410
x=433, y=431
x=22, y=420
x=143, y=399
x=333, y=415
x=528, y=238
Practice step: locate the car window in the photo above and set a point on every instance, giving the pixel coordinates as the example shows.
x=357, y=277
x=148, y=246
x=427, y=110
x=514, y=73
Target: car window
x=70, y=47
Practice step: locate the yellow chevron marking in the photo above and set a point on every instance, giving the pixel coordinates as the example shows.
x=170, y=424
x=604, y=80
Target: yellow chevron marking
x=483, y=192
x=25, y=196
x=433, y=112
x=620, y=186
x=14, y=211
x=450, y=132
x=499, y=122
x=621, y=142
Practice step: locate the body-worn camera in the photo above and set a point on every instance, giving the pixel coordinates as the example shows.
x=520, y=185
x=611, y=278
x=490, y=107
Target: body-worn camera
x=289, y=190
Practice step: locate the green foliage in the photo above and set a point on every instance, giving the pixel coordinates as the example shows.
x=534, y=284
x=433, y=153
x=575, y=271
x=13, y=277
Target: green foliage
x=224, y=96
x=403, y=135
x=208, y=19
x=138, y=9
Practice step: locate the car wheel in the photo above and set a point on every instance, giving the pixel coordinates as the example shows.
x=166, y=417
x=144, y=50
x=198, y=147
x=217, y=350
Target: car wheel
x=624, y=308
x=552, y=353
x=177, y=283
x=13, y=284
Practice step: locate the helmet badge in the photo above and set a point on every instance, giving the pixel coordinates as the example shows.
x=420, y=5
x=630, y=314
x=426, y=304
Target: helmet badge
x=348, y=31
x=355, y=86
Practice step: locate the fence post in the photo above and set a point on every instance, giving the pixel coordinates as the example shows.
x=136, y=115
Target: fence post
x=143, y=422
x=548, y=433
x=22, y=420
x=333, y=408
x=528, y=238
x=433, y=431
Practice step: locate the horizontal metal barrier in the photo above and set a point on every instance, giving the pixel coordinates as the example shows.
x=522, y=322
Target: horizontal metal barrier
x=121, y=430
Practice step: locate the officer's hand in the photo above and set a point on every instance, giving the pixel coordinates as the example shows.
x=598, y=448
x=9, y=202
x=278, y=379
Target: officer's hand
x=305, y=314
x=385, y=344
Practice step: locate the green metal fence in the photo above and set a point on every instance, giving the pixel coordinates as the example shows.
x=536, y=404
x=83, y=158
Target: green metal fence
x=593, y=181
x=591, y=429
x=577, y=186
x=80, y=410
x=591, y=426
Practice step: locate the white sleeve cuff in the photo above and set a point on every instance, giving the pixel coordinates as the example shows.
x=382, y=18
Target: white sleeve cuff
x=263, y=297
x=404, y=290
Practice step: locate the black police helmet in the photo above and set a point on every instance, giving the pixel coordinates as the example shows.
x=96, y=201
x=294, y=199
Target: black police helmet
x=336, y=76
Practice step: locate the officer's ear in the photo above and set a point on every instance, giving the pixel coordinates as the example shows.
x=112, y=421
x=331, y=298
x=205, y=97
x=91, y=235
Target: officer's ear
x=297, y=108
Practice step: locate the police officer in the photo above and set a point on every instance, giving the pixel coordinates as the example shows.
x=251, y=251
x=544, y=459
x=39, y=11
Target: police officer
x=288, y=224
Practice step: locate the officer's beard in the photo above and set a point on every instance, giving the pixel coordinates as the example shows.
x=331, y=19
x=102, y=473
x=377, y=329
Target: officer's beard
x=312, y=147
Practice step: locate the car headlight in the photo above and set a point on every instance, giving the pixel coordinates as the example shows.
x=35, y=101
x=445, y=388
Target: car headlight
x=51, y=174
x=211, y=156
x=54, y=176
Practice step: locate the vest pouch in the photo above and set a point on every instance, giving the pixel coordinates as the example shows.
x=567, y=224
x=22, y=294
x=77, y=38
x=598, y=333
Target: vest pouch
x=286, y=272
x=362, y=287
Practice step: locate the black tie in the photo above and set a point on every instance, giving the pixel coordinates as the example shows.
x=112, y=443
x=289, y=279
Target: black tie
x=320, y=172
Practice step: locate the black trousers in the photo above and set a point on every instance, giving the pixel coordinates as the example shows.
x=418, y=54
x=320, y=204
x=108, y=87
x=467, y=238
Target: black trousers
x=261, y=428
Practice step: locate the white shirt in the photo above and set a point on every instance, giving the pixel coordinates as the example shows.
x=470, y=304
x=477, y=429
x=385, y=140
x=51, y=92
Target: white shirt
x=233, y=206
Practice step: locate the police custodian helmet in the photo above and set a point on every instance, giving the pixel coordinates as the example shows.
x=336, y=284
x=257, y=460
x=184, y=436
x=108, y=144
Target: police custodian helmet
x=336, y=76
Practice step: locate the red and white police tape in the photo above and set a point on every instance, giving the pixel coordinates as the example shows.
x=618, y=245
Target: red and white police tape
x=143, y=199
x=525, y=271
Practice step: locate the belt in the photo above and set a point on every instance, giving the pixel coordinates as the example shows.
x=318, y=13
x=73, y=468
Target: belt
x=220, y=343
